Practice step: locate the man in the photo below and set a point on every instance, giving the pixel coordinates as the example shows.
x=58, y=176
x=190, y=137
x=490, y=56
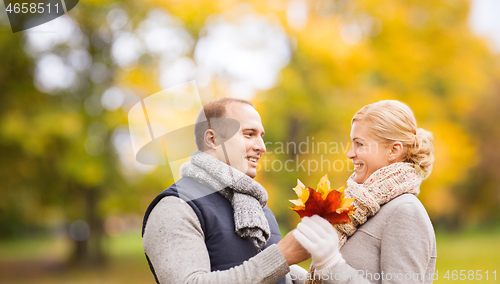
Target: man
x=212, y=226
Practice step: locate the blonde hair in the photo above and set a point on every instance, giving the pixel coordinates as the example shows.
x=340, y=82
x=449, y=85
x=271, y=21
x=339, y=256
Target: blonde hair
x=391, y=121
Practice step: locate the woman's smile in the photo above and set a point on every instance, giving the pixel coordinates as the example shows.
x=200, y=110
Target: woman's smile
x=367, y=154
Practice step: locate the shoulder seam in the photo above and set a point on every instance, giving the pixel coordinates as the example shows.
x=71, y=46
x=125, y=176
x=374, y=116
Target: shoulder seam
x=181, y=201
x=369, y=234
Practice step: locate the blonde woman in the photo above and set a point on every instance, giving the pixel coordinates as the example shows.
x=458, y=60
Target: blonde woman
x=391, y=239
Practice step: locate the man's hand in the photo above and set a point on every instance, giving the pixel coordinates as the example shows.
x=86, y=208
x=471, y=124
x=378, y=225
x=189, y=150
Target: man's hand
x=292, y=250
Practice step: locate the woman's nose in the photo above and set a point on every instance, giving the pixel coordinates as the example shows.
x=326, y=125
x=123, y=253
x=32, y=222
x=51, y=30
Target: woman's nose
x=351, y=153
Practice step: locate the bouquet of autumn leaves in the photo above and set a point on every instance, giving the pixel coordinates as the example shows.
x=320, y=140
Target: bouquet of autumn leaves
x=330, y=204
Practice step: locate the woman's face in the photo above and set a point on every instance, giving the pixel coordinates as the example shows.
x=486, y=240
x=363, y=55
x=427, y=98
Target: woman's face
x=367, y=154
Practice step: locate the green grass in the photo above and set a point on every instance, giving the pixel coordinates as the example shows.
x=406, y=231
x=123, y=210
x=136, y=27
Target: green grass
x=41, y=260
x=32, y=248
x=469, y=251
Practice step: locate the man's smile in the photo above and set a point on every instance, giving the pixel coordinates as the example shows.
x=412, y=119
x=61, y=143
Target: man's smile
x=253, y=160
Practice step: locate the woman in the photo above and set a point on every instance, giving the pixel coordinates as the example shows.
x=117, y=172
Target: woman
x=391, y=239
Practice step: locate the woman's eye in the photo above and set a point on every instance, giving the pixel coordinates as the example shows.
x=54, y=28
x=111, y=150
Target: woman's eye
x=359, y=144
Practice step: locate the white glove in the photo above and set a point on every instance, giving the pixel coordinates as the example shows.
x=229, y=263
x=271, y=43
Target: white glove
x=298, y=274
x=320, y=239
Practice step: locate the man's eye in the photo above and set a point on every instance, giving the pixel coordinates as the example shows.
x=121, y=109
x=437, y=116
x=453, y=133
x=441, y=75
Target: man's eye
x=248, y=134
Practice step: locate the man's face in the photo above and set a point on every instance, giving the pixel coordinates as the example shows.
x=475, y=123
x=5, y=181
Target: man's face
x=246, y=147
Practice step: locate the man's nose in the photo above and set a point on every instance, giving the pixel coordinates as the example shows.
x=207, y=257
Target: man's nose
x=259, y=145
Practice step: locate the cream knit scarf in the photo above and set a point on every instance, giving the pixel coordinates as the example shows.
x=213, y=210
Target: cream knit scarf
x=381, y=187
x=247, y=197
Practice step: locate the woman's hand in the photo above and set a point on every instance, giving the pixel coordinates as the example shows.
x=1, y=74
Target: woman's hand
x=321, y=240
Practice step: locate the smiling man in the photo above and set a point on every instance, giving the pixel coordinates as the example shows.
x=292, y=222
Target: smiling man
x=213, y=225
x=236, y=126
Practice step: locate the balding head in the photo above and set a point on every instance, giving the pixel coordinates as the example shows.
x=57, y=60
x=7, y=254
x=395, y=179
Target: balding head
x=206, y=119
x=233, y=134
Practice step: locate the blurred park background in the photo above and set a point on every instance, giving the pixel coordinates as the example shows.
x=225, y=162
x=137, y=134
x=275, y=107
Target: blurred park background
x=73, y=196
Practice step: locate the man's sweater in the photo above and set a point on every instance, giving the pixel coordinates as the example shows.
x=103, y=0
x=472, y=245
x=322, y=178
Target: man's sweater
x=175, y=244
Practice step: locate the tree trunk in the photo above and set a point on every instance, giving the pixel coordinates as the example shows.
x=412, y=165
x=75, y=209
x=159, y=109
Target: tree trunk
x=89, y=251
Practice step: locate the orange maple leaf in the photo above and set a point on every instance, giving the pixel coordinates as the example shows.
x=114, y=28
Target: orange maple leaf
x=325, y=202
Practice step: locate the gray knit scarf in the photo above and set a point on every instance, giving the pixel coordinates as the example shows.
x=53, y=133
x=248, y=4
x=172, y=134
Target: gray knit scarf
x=247, y=197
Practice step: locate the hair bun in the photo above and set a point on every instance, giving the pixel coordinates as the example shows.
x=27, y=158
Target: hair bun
x=421, y=153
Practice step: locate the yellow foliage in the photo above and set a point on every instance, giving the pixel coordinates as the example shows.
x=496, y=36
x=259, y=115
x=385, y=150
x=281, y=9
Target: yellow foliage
x=303, y=194
x=425, y=55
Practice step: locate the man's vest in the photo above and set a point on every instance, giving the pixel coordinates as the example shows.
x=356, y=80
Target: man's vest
x=215, y=213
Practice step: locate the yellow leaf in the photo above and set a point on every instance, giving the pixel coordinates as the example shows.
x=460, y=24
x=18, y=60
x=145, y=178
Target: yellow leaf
x=301, y=207
x=345, y=203
x=301, y=192
x=324, y=186
x=297, y=202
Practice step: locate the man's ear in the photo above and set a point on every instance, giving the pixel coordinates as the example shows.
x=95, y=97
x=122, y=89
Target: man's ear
x=396, y=152
x=209, y=139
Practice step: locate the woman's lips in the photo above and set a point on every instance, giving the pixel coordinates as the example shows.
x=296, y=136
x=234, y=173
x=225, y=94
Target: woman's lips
x=357, y=166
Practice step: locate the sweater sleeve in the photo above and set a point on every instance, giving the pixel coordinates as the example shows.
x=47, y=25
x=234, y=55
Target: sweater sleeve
x=405, y=252
x=175, y=244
